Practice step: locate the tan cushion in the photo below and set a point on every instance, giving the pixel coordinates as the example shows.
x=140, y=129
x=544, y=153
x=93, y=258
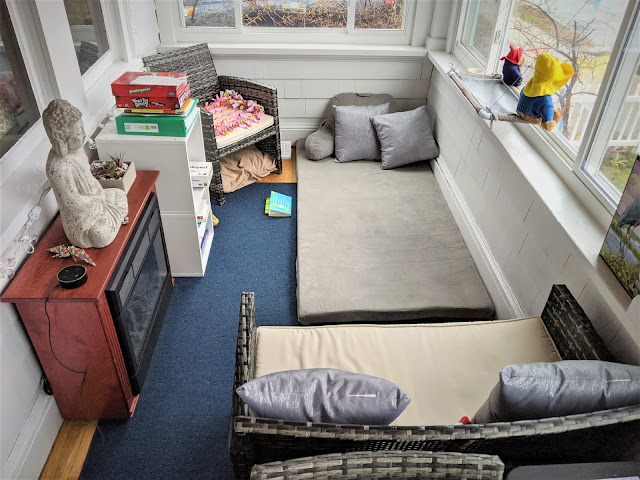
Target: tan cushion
x=239, y=133
x=448, y=369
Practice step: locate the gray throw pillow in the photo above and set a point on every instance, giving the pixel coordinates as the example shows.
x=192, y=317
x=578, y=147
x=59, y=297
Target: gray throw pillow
x=319, y=144
x=405, y=137
x=324, y=395
x=542, y=390
x=355, y=137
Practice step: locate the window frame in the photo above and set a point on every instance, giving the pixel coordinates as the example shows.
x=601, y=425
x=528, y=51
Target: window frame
x=172, y=29
x=561, y=157
x=52, y=66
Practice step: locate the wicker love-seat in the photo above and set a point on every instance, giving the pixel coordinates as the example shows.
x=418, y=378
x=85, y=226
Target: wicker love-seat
x=606, y=435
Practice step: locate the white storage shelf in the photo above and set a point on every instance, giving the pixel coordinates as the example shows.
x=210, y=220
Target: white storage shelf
x=179, y=202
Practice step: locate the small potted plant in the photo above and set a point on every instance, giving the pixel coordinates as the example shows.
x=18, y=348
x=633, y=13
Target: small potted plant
x=114, y=173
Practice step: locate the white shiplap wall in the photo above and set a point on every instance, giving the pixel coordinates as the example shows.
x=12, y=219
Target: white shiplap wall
x=531, y=248
x=305, y=84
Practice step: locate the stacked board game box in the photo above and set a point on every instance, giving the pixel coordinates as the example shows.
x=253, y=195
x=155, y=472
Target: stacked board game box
x=155, y=103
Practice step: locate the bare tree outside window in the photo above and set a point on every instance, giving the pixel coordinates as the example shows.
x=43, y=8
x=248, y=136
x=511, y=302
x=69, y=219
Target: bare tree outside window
x=209, y=13
x=379, y=14
x=296, y=14
x=369, y=14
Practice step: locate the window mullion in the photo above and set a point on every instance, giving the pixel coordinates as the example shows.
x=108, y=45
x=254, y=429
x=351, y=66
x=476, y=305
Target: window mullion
x=238, y=15
x=351, y=17
x=500, y=31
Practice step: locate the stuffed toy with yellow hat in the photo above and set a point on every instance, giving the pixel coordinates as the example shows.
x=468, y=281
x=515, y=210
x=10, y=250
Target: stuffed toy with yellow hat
x=535, y=104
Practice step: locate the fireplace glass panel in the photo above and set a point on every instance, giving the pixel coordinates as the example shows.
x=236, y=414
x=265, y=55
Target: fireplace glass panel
x=140, y=309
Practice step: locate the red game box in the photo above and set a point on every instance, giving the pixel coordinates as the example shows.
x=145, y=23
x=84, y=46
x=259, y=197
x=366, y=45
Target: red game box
x=150, y=84
x=154, y=103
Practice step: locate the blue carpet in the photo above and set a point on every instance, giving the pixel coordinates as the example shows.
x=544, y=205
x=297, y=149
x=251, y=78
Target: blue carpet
x=181, y=425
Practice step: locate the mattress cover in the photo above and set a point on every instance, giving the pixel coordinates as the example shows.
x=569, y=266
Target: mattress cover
x=380, y=245
x=448, y=369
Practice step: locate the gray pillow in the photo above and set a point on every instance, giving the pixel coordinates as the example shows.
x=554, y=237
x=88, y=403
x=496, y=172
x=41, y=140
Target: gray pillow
x=324, y=395
x=542, y=390
x=355, y=137
x=319, y=144
x=405, y=137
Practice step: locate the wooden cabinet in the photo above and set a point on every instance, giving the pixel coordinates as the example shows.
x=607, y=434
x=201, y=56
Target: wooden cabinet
x=72, y=331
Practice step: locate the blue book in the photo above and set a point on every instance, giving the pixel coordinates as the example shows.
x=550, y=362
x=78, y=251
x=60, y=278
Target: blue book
x=279, y=205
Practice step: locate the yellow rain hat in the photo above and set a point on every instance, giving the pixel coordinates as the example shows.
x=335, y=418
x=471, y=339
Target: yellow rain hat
x=549, y=76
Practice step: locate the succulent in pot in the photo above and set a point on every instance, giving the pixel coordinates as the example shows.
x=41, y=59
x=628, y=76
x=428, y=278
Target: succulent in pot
x=114, y=173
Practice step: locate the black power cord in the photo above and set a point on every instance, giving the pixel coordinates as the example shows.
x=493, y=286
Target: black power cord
x=82, y=372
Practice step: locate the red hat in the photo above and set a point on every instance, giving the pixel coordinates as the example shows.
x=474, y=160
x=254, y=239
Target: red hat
x=514, y=56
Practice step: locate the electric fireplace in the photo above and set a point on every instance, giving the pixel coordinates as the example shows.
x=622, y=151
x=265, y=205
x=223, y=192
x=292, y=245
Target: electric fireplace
x=139, y=291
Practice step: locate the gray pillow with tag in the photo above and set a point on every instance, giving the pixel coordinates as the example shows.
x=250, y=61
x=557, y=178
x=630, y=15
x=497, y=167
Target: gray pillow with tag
x=324, y=395
x=543, y=390
x=355, y=137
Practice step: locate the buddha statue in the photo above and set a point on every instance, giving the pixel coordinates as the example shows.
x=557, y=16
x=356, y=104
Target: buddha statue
x=91, y=216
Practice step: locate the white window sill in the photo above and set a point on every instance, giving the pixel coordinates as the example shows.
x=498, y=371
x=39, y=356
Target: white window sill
x=307, y=50
x=586, y=231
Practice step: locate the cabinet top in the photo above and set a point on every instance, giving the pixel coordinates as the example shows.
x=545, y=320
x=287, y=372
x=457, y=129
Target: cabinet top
x=37, y=277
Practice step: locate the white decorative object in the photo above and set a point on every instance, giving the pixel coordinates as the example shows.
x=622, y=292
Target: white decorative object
x=91, y=216
x=180, y=202
x=123, y=183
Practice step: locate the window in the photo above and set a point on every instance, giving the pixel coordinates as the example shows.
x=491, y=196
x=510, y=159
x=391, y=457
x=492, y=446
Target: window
x=87, y=30
x=592, y=35
x=299, y=22
x=368, y=14
x=18, y=108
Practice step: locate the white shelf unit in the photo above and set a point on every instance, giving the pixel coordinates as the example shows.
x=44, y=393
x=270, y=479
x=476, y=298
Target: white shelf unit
x=179, y=202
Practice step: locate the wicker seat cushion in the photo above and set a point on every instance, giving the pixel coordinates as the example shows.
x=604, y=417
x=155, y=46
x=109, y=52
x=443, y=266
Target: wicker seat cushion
x=448, y=369
x=239, y=133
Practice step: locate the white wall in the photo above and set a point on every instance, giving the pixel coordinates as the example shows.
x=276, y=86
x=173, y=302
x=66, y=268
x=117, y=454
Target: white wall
x=29, y=419
x=305, y=84
x=531, y=248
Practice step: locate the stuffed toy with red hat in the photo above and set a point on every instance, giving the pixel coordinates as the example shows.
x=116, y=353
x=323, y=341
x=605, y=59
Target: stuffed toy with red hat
x=511, y=69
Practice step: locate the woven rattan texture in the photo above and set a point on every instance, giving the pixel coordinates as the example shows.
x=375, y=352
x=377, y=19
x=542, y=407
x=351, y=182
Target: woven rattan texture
x=599, y=436
x=570, y=328
x=205, y=84
x=374, y=465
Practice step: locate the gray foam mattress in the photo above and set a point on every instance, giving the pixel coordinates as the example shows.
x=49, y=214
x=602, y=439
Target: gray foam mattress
x=380, y=246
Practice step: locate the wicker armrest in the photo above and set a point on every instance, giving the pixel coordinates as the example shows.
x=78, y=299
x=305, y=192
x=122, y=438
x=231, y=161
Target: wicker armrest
x=374, y=465
x=265, y=95
x=570, y=328
x=245, y=350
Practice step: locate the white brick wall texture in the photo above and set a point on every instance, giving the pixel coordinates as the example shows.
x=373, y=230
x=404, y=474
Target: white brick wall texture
x=305, y=85
x=527, y=241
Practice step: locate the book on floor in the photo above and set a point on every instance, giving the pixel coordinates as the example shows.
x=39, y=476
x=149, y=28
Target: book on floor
x=279, y=205
x=266, y=206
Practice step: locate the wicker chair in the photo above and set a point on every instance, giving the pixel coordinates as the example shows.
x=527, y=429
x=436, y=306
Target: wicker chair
x=606, y=435
x=205, y=84
x=375, y=465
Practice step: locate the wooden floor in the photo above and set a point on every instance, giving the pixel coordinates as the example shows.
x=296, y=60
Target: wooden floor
x=74, y=438
x=288, y=174
x=69, y=450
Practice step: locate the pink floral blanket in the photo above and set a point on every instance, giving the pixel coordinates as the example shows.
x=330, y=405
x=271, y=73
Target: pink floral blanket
x=231, y=111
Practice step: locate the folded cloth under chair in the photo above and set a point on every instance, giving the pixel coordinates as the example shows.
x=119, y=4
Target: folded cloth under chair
x=244, y=167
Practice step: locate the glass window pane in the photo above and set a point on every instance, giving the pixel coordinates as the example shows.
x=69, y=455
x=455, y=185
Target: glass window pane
x=209, y=13
x=302, y=14
x=479, y=24
x=18, y=108
x=379, y=14
x=87, y=30
x=624, y=142
x=581, y=32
